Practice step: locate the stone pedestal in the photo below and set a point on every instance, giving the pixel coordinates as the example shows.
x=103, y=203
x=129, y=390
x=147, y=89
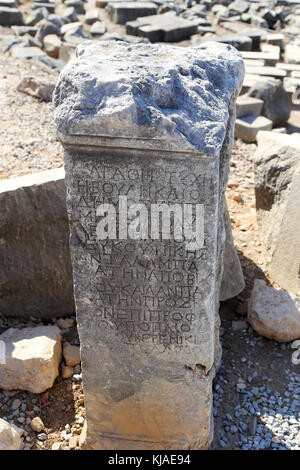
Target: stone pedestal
x=147, y=132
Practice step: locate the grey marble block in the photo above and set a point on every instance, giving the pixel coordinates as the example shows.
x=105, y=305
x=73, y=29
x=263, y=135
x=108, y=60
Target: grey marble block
x=145, y=126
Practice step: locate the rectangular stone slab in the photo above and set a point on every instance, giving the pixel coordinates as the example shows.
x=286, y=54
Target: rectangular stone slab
x=164, y=27
x=35, y=271
x=145, y=308
x=122, y=12
x=135, y=124
x=269, y=71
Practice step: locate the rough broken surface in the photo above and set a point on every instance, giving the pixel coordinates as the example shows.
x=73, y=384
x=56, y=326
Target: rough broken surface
x=152, y=113
x=32, y=357
x=274, y=313
x=173, y=94
x=35, y=88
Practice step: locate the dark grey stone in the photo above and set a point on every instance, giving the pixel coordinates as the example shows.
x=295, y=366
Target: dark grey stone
x=8, y=3
x=35, y=269
x=270, y=17
x=29, y=41
x=51, y=2
x=256, y=35
x=77, y=5
x=10, y=16
x=259, y=21
x=122, y=12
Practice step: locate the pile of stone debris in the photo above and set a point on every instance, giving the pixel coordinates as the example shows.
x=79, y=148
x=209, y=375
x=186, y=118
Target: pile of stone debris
x=266, y=33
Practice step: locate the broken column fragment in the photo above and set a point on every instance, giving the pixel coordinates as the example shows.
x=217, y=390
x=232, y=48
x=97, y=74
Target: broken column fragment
x=277, y=182
x=148, y=134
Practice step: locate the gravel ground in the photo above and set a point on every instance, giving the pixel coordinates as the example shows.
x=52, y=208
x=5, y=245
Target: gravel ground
x=256, y=391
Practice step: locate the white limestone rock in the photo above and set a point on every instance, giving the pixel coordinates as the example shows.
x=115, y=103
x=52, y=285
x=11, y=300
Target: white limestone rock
x=274, y=313
x=32, y=357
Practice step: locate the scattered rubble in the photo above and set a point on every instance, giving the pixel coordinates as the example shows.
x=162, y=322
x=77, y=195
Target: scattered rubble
x=259, y=32
x=33, y=87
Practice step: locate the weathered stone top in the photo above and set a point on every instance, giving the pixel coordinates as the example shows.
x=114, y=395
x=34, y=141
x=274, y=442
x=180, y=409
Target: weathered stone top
x=177, y=97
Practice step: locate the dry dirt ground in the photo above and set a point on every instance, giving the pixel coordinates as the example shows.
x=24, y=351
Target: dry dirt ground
x=28, y=144
x=28, y=141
